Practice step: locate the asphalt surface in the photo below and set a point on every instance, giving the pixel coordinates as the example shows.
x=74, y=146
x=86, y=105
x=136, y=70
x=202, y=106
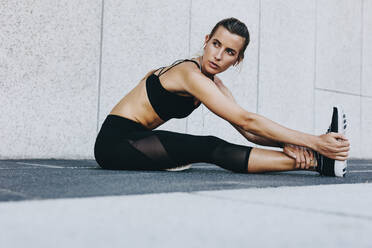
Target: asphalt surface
x=51, y=179
x=74, y=203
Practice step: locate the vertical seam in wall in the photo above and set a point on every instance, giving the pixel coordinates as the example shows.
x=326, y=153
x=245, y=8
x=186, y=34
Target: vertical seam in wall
x=190, y=28
x=100, y=67
x=361, y=73
x=258, y=56
x=202, y=109
x=315, y=59
x=187, y=119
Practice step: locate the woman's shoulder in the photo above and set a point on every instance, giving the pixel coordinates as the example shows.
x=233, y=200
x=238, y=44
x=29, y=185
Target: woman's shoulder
x=189, y=70
x=149, y=73
x=191, y=66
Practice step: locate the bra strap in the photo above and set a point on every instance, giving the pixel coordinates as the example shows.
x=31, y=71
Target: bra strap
x=175, y=63
x=197, y=64
x=172, y=65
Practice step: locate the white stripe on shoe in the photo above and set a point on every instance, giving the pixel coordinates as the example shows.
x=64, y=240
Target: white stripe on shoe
x=180, y=168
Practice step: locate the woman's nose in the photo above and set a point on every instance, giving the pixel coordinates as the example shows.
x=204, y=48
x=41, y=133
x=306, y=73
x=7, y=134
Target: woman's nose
x=219, y=54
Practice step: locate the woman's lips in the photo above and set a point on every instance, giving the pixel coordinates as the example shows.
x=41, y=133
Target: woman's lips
x=213, y=65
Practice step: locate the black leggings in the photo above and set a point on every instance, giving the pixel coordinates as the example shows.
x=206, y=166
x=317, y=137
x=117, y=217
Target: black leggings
x=123, y=144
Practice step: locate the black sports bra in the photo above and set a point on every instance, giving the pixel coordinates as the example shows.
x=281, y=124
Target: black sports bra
x=167, y=104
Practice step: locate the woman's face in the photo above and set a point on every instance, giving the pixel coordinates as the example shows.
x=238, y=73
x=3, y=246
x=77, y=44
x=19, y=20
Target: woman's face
x=221, y=51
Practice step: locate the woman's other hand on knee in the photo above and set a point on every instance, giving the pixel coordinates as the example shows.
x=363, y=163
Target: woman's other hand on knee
x=304, y=157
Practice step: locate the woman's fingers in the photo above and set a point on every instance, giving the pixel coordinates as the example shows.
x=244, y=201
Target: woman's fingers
x=340, y=158
x=288, y=150
x=291, y=152
x=303, y=157
x=312, y=156
x=308, y=158
x=298, y=158
x=334, y=146
x=340, y=140
x=339, y=136
x=342, y=155
x=331, y=143
x=342, y=144
x=344, y=149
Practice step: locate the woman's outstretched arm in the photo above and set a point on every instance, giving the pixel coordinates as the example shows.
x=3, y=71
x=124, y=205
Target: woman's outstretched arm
x=208, y=93
x=257, y=139
x=249, y=136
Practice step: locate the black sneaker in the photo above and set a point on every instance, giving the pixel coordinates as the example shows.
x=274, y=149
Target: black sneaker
x=327, y=166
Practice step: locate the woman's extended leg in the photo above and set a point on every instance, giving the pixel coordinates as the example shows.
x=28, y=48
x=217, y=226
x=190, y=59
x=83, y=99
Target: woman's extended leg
x=185, y=148
x=123, y=144
x=168, y=149
x=263, y=160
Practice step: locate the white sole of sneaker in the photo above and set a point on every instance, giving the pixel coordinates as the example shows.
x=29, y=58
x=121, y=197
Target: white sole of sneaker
x=340, y=166
x=180, y=168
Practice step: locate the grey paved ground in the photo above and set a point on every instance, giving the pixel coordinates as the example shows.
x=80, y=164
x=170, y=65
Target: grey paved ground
x=43, y=179
x=65, y=203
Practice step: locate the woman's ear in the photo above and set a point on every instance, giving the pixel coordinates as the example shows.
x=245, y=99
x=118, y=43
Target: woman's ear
x=206, y=40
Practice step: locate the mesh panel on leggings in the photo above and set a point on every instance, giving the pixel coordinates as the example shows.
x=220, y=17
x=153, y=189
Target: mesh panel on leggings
x=232, y=157
x=153, y=149
x=169, y=149
x=186, y=148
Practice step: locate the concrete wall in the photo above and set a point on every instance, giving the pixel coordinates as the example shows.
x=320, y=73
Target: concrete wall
x=65, y=64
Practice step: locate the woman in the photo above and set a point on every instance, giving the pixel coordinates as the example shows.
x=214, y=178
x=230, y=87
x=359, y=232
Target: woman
x=127, y=140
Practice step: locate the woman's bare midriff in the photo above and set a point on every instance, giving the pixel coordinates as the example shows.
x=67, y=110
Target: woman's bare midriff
x=137, y=107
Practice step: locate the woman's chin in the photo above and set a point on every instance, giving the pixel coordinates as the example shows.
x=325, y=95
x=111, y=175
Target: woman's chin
x=212, y=70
